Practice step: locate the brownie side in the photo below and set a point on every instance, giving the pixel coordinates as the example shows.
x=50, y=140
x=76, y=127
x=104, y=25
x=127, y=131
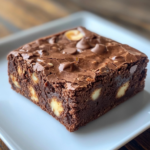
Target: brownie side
x=44, y=92
x=78, y=106
x=89, y=109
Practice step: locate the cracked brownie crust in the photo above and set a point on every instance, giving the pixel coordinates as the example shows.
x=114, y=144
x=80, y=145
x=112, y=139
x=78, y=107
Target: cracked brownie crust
x=77, y=75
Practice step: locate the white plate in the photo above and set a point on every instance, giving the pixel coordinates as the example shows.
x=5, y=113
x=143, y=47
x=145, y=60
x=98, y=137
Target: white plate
x=24, y=126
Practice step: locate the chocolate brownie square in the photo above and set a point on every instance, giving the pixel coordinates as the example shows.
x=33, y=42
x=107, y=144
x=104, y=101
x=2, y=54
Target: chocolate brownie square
x=76, y=75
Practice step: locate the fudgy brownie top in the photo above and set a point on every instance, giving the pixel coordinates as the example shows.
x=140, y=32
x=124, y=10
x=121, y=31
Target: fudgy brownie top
x=76, y=56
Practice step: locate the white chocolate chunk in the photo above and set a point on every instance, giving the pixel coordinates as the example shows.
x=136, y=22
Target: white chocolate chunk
x=33, y=94
x=96, y=94
x=56, y=106
x=14, y=80
x=122, y=90
x=19, y=71
x=74, y=35
x=23, y=71
x=50, y=64
x=34, y=78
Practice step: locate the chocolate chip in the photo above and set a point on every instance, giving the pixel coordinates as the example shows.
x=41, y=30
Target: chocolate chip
x=66, y=65
x=27, y=48
x=69, y=51
x=99, y=49
x=118, y=59
x=27, y=55
x=52, y=40
x=93, y=42
x=38, y=67
x=39, y=42
x=43, y=52
x=83, y=44
x=22, y=50
x=133, y=69
x=40, y=60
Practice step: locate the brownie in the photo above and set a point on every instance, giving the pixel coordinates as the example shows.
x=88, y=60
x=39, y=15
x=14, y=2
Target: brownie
x=76, y=75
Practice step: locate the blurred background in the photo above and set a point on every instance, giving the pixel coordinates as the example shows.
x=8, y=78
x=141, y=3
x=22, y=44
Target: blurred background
x=18, y=15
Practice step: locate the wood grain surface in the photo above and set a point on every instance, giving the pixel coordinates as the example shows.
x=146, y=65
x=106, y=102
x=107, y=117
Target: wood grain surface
x=132, y=14
x=17, y=15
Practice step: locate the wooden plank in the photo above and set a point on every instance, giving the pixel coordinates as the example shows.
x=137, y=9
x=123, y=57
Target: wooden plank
x=25, y=14
x=49, y=7
x=133, y=145
x=144, y=140
x=123, y=148
x=69, y=5
x=38, y=11
x=17, y=15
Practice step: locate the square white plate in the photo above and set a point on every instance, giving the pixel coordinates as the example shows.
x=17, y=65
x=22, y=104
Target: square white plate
x=24, y=126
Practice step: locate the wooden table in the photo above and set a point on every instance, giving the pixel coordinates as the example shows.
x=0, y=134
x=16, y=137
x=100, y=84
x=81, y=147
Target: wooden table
x=17, y=15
